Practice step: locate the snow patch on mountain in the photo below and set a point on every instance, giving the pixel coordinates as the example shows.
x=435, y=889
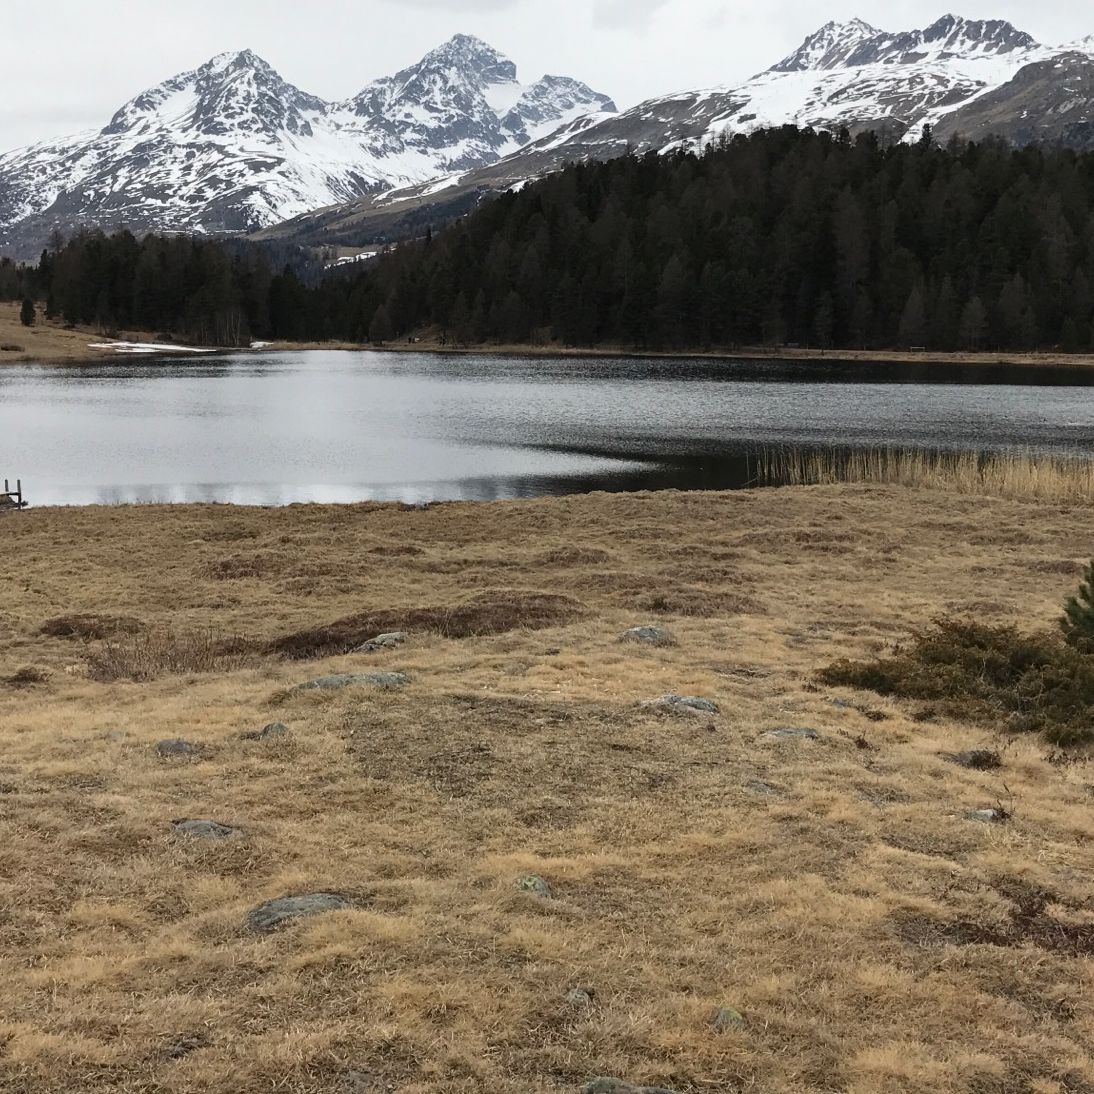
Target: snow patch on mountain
x=231, y=146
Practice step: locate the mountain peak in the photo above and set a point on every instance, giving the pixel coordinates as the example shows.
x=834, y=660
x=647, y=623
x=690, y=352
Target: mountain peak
x=473, y=56
x=233, y=59
x=828, y=47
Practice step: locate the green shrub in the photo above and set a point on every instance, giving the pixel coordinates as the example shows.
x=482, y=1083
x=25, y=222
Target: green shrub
x=1078, y=621
x=992, y=676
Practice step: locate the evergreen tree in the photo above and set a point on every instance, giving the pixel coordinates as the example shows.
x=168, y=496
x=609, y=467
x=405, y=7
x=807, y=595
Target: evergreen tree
x=1078, y=621
x=380, y=329
x=913, y=323
x=974, y=325
x=27, y=312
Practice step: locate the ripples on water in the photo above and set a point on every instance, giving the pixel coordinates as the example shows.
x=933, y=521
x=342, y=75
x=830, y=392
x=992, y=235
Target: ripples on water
x=275, y=429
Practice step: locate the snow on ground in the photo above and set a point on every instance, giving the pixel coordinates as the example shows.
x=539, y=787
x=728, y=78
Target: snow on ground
x=138, y=348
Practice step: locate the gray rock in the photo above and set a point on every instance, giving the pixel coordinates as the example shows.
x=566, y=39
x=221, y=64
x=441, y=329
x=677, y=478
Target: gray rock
x=979, y=759
x=619, y=1086
x=726, y=1018
x=649, y=636
x=383, y=642
x=176, y=747
x=271, y=732
x=987, y=816
x=757, y=786
x=276, y=913
x=361, y=1082
x=686, y=706
x=204, y=829
x=580, y=998
x=535, y=885
x=356, y=680
x=791, y=733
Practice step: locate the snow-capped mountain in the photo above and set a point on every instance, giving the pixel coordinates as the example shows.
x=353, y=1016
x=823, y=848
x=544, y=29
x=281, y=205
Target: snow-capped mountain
x=962, y=76
x=231, y=146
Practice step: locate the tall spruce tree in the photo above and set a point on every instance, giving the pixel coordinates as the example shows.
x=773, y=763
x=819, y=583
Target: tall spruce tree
x=27, y=313
x=1078, y=621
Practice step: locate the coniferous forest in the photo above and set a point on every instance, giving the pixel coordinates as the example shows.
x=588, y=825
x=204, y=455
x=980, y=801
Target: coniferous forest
x=784, y=236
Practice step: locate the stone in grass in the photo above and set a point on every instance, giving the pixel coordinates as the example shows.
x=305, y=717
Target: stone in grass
x=620, y=1086
x=581, y=998
x=271, y=732
x=204, y=829
x=383, y=642
x=648, y=636
x=175, y=748
x=725, y=1019
x=765, y=790
x=987, y=816
x=684, y=706
x=792, y=733
x=535, y=885
x=355, y=680
x=276, y=913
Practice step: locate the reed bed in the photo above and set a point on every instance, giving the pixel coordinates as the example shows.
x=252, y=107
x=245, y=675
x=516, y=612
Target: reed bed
x=1022, y=476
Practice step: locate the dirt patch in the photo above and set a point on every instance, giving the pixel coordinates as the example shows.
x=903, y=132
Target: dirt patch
x=488, y=613
x=90, y=626
x=1027, y=923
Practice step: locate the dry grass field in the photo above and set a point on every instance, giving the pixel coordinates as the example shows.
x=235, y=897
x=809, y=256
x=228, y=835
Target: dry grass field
x=833, y=892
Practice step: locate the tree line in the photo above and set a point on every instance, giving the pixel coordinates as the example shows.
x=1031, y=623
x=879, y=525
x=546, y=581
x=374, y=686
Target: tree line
x=781, y=236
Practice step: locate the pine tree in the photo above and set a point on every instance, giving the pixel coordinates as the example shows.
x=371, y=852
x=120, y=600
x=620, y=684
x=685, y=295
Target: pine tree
x=1078, y=620
x=974, y=325
x=27, y=313
x=913, y=323
x=380, y=330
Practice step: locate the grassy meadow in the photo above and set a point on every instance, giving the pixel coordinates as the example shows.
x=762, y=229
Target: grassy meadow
x=730, y=908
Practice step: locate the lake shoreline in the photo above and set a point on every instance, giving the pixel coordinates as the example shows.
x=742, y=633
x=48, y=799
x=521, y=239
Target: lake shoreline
x=51, y=343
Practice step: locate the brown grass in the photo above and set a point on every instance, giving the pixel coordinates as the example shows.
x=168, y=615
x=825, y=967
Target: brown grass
x=1033, y=477
x=874, y=938
x=147, y=657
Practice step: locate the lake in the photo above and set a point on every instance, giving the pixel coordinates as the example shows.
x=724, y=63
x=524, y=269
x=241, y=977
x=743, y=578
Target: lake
x=279, y=428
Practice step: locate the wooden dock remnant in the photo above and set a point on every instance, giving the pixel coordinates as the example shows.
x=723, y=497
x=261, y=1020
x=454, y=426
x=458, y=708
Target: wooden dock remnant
x=12, y=501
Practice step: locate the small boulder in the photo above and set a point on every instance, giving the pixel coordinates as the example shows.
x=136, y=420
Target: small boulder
x=725, y=1019
x=619, y=1086
x=535, y=885
x=386, y=680
x=764, y=790
x=276, y=913
x=684, y=706
x=648, y=636
x=988, y=816
x=176, y=748
x=383, y=642
x=204, y=829
x=581, y=998
x=792, y=733
x=270, y=733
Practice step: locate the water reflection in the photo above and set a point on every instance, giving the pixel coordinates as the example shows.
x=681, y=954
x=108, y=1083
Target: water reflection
x=287, y=428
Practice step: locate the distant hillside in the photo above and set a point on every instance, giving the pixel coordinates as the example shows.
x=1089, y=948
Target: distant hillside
x=784, y=236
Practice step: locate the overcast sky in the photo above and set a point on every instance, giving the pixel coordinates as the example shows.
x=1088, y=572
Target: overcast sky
x=70, y=64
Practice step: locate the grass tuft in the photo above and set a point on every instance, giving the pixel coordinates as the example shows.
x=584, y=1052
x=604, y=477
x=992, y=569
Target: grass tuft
x=165, y=653
x=1006, y=475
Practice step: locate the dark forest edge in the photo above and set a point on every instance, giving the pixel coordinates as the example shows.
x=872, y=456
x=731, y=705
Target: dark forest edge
x=783, y=237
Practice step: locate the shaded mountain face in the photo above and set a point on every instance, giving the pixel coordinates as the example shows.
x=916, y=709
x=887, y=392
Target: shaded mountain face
x=1047, y=102
x=970, y=76
x=232, y=146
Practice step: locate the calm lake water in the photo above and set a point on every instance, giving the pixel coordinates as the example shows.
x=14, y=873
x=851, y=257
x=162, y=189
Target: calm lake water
x=272, y=429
